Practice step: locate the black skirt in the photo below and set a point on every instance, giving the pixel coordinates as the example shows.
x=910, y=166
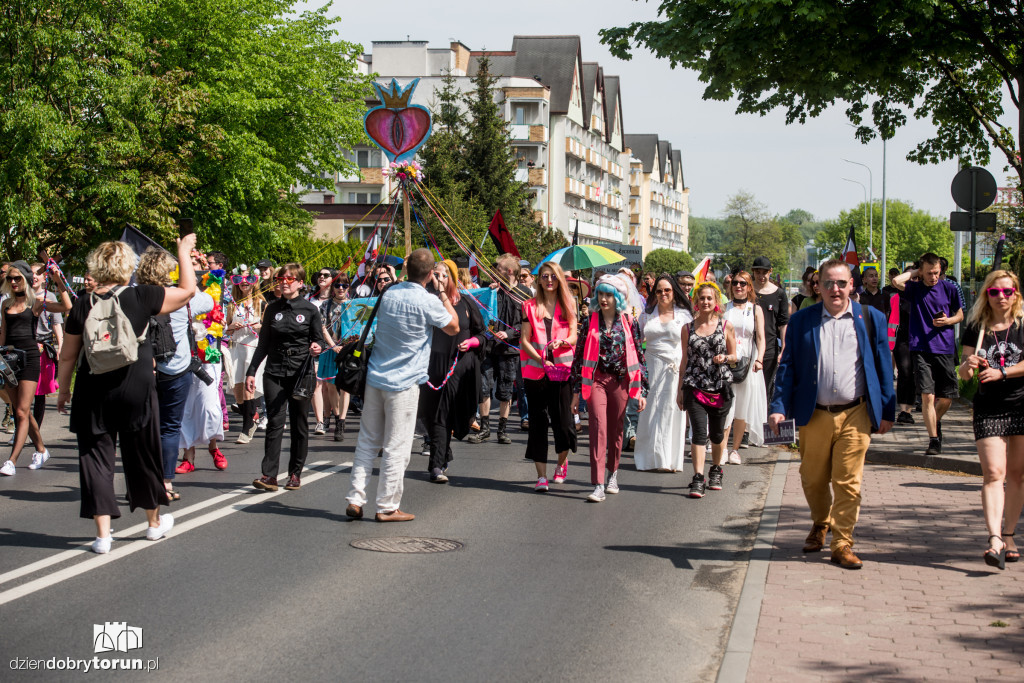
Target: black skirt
x=1003, y=424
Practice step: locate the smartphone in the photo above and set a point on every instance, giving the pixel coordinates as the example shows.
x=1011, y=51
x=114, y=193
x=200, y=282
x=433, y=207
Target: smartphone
x=185, y=227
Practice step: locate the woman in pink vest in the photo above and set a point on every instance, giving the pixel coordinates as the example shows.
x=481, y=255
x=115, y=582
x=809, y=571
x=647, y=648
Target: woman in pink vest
x=546, y=354
x=610, y=361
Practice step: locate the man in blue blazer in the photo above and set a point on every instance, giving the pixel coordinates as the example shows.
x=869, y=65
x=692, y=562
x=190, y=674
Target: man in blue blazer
x=835, y=379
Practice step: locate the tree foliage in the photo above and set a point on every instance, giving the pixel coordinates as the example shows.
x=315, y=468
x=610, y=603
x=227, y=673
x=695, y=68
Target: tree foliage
x=135, y=112
x=751, y=231
x=945, y=60
x=910, y=233
x=668, y=261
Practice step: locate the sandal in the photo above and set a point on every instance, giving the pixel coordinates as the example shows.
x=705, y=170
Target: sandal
x=994, y=558
x=173, y=495
x=1011, y=555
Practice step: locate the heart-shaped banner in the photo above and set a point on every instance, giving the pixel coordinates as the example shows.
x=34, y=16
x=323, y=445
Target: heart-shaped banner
x=395, y=126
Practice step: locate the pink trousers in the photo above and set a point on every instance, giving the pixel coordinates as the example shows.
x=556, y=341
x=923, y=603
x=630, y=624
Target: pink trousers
x=606, y=408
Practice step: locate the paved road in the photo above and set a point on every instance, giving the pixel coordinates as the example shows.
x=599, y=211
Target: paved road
x=266, y=586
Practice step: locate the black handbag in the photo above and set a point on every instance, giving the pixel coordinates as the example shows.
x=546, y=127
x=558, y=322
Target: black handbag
x=354, y=359
x=305, y=381
x=739, y=370
x=12, y=361
x=49, y=350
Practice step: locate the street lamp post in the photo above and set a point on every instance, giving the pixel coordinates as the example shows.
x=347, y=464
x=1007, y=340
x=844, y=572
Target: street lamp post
x=871, y=202
x=865, y=204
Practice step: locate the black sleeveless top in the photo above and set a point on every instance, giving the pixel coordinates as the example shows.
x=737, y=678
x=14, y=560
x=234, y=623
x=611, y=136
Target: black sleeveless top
x=21, y=329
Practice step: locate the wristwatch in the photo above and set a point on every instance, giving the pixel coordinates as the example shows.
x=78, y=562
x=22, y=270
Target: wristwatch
x=1003, y=370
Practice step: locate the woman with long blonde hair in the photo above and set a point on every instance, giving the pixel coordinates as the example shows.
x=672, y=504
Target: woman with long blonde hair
x=243, y=324
x=546, y=348
x=993, y=344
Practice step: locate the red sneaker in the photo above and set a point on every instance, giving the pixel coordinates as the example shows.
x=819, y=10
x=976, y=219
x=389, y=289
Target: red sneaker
x=185, y=467
x=219, y=461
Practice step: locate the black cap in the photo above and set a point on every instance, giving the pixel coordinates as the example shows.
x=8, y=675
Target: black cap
x=762, y=262
x=265, y=263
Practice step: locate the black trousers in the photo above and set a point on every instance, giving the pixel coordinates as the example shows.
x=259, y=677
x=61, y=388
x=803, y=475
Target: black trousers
x=433, y=412
x=550, y=405
x=141, y=459
x=704, y=420
x=906, y=389
x=278, y=394
x=771, y=365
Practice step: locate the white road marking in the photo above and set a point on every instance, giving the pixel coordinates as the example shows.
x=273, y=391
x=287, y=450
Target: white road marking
x=126, y=547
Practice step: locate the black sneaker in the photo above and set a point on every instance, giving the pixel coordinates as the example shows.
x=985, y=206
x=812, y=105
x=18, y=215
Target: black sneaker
x=904, y=418
x=483, y=435
x=934, y=446
x=504, y=438
x=714, y=478
x=697, y=486
x=938, y=431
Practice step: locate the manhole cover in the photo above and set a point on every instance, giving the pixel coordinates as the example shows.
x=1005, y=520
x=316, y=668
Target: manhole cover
x=402, y=544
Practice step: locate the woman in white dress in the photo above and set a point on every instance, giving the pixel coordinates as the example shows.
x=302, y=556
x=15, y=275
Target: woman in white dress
x=243, y=324
x=661, y=434
x=750, y=404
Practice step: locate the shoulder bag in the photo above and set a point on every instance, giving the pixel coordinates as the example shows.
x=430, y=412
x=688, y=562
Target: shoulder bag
x=354, y=359
x=305, y=382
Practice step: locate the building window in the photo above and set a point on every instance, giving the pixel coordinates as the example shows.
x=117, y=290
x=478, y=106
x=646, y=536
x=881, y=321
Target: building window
x=328, y=199
x=519, y=113
x=375, y=197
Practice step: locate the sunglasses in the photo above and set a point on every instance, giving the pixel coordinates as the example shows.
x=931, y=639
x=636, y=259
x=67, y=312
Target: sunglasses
x=285, y=278
x=323, y=275
x=548, y=276
x=383, y=280
x=239, y=279
x=841, y=284
x=340, y=284
x=739, y=283
x=14, y=279
x=992, y=291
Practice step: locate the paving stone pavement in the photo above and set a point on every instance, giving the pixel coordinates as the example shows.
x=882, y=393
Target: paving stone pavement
x=906, y=444
x=924, y=607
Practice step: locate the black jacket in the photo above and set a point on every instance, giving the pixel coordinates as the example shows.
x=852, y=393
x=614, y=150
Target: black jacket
x=289, y=327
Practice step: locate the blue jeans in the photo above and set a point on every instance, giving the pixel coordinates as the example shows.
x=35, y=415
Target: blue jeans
x=632, y=418
x=171, y=395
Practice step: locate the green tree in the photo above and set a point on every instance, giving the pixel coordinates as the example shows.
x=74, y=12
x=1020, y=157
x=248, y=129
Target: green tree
x=945, y=60
x=668, y=261
x=750, y=231
x=911, y=232
x=136, y=112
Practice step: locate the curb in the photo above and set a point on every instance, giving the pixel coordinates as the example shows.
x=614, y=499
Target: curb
x=931, y=462
x=736, y=660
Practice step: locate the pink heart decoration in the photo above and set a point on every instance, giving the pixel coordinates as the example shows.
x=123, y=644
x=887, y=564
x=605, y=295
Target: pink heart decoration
x=398, y=131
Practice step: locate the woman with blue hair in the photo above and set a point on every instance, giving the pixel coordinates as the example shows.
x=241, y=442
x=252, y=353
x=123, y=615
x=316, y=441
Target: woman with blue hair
x=610, y=361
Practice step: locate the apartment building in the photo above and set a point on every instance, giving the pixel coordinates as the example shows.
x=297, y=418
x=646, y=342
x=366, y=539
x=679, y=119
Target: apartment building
x=566, y=122
x=659, y=208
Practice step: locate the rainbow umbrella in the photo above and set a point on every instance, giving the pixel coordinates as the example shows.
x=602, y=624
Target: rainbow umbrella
x=581, y=256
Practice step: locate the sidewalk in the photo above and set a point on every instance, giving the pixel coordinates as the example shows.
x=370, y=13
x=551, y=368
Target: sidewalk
x=905, y=444
x=924, y=607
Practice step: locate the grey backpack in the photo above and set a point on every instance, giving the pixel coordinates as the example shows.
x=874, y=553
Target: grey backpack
x=108, y=339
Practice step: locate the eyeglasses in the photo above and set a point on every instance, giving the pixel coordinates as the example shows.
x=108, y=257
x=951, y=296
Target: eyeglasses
x=548, y=276
x=841, y=284
x=523, y=276
x=239, y=279
x=1007, y=292
x=739, y=283
x=13, y=280
x=340, y=284
x=323, y=275
x=383, y=280
x=663, y=291
x=285, y=278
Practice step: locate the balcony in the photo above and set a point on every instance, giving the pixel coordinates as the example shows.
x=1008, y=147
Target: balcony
x=519, y=131
x=615, y=170
x=593, y=158
x=522, y=175
x=538, y=133
x=634, y=190
x=538, y=177
x=372, y=176
x=575, y=187
x=634, y=219
x=573, y=148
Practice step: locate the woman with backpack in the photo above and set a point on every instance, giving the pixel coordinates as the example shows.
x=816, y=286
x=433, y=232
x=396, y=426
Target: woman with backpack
x=115, y=390
x=21, y=309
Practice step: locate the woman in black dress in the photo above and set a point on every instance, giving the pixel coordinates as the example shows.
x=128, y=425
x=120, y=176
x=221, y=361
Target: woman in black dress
x=447, y=408
x=120, y=404
x=21, y=311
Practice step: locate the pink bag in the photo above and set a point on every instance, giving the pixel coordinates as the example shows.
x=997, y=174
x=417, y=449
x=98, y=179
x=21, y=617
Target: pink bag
x=708, y=400
x=557, y=373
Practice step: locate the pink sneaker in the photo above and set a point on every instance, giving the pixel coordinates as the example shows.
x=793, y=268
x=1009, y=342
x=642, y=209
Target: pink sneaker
x=541, y=485
x=219, y=461
x=561, y=472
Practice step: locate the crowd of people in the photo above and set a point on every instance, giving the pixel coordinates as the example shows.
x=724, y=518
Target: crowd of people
x=647, y=361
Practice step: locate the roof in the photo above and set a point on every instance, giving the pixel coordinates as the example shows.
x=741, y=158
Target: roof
x=611, y=99
x=677, y=167
x=645, y=148
x=552, y=60
x=591, y=78
x=664, y=157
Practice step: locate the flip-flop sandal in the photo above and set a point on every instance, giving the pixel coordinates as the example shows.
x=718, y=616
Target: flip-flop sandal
x=1012, y=555
x=995, y=558
x=173, y=495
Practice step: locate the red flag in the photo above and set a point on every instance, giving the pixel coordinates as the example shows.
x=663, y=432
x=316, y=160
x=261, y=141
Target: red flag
x=502, y=237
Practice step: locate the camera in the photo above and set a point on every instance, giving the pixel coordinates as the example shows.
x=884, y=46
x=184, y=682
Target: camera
x=196, y=368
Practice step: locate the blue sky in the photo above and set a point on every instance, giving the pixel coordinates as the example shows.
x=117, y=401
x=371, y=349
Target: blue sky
x=786, y=167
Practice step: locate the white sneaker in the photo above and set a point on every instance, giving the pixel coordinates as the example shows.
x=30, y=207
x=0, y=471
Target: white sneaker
x=243, y=437
x=39, y=458
x=101, y=546
x=261, y=424
x=319, y=429
x=598, y=495
x=158, y=532
x=734, y=458
x=7, y=469
x=613, y=483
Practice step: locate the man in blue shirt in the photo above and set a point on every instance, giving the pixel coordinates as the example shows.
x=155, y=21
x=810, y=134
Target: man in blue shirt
x=934, y=309
x=398, y=365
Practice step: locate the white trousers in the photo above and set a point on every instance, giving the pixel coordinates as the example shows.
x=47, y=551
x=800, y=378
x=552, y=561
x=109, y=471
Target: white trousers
x=388, y=422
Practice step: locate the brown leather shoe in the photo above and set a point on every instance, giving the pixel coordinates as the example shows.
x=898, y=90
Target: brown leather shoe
x=395, y=516
x=294, y=483
x=354, y=511
x=845, y=558
x=816, y=539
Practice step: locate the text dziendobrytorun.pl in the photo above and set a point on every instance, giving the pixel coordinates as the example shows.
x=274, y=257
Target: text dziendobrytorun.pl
x=84, y=665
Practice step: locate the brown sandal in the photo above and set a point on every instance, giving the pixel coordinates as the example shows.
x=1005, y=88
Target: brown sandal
x=1011, y=555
